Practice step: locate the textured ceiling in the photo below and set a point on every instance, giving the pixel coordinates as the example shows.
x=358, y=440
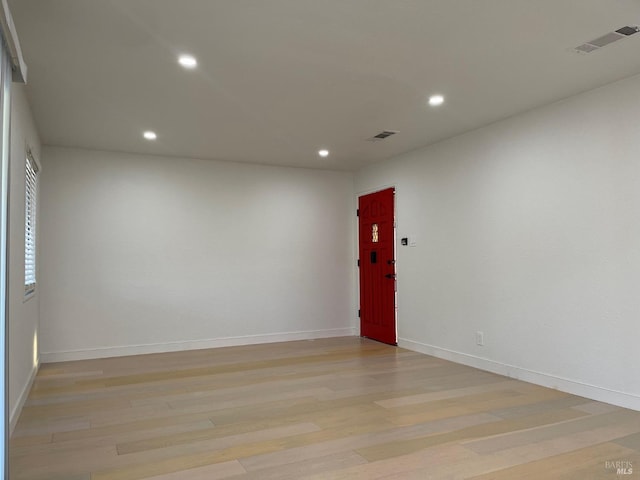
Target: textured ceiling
x=279, y=79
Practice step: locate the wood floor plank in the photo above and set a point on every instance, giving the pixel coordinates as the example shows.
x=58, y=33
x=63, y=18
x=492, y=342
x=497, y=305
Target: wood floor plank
x=445, y=394
x=492, y=401
x=212, y=453
x=72, y=463
x=577, y=464
x=32, y=427
x=309, y=466
x=541, y=432
x=595, y=408
x=630, y=441
x=30, y=441
x=398, y=448
x=217, y=471
x=363, y=441
x=567, y=443
x=423, y=462
x=138, y=435
x=326, y=419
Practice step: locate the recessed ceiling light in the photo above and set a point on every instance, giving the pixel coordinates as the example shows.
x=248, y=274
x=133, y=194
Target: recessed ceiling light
x=187, y=61
x=435, y=100
x=323, y=153
x=149, y=135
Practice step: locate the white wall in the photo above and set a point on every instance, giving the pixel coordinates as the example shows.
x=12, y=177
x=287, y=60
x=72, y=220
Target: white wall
x=143, y=254
x=528, y=230
x=23, y=315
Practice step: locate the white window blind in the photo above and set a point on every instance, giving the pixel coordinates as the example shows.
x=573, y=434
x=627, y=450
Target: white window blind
x=31, y=190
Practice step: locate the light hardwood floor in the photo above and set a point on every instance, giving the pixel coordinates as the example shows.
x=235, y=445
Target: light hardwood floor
x=342, y=408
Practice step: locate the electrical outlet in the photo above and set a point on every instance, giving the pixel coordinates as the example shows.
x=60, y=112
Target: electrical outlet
x=480, y=338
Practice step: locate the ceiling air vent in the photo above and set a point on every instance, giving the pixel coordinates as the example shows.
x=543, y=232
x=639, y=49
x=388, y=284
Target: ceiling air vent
x=628, y=30
x=604, y=40
x=382, y=135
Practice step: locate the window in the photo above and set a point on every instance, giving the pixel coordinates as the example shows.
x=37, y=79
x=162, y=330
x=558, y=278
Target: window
x=31, y=199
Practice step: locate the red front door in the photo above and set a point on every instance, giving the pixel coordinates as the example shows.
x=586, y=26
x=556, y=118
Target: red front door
x=377, y=266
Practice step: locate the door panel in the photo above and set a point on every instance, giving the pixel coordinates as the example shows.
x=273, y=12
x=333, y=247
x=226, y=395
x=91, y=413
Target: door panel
x=377, y=266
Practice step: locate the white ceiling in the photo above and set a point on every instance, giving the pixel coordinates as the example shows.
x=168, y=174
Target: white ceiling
x=279, y=79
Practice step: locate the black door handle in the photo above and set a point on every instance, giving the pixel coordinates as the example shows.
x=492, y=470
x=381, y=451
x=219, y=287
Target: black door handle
x=390, y=275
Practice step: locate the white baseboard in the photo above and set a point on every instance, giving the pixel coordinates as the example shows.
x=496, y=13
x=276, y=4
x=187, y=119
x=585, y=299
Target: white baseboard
x=104, y=352
x=574, y=387
x=17, y=408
